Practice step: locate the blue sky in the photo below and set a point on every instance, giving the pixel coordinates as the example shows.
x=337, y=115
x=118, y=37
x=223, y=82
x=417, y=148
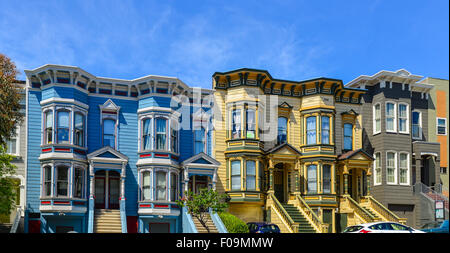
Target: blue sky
x=294, y=40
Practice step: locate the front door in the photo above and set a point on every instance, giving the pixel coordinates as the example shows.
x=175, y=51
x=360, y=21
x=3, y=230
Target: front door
x=278, y=185
x=100, y=184
x=107, y=189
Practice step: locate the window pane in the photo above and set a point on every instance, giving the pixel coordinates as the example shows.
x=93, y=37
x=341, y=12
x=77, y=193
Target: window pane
x=326, y=130
x=348, y=136
x=311, y=130
x=251, y=124
x=402, y=111
x=415, y=117
x=63, y=119
x=78, y=183
x=282, y=130
x=49, y=119
x=146, y=185
x=390, y=109
x=173, y=187
x=235, y=175
x=62, y=182
x=235, y=168
x=160, y=133
x=312, y=178
x=160, y=185
x=326, y=178
x=236, y=124
x=79, y=121
x=108, y=126
x=146, y=134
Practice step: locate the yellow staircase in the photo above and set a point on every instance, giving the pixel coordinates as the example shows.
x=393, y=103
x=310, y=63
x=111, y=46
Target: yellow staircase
x=107, y=221
x=209, y=223
x=379, y=211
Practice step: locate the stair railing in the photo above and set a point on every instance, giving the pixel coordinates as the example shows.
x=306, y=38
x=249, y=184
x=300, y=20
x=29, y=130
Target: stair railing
x=217, y=222
x=368, y=217
x=383, y=211
x=293, y=226
x=16, y=222
x=317, y=223
x=430, y=193
x=187, y=222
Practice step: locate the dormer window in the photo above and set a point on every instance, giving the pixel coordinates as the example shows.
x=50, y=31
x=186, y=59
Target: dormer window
x=63, y=126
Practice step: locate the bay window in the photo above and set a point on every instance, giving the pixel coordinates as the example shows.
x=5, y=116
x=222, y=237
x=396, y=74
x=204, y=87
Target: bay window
x=312, y=178
x=62, y=181
x=48, y=128
x=325, y=130
x=390, y=117
x=311, y=130
x=63, y=127
x=79, y=129
x=236, y=175
x=109, y=129
x=236, y=124
x=403, y=115
x=146, y=134
x=391, y=167
x=282, y=130
x=348, y=136
x=376, y=118
x=250, y=175
x=161, y=125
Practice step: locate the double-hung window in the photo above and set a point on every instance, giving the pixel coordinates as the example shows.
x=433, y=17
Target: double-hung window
x=348, y=136
x=390, y=117
x=377, y=167
x=62, y=182
x=63, y=126
x=403, y=115
x=311, y=130
x=12, y=144
x=173, y=187
x=325, y=130
x=161, y=185
x=250, y=118
x=109, y=130
x=48, y=132
x=282, y=130
x=404, y=168
x=326, y=170
x=251, y=175
x=376, y=118
x=79, y=129
x=146, y=185
x=235, y=175
x=146, y=134
x=391, y=167
x=161, y=133
x=78, y=182
x=236, y=124
x=312, y=178
x=47, y=191
x=174, y=137
x=441, y=126
x=199, y=136
x=416, y=125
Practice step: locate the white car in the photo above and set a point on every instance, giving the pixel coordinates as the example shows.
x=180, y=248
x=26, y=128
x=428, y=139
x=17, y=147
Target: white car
x=381, y=227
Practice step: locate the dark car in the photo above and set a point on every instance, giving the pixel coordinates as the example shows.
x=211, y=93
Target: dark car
x=262, y=227
x=436, y=227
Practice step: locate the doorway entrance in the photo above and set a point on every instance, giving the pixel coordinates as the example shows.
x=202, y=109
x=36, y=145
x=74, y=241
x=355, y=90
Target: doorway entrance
x=196, y=183
x=107, y=189
x=278, y=183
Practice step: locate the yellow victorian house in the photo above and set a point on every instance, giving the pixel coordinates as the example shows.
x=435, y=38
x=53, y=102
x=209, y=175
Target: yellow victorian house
x=291, y=152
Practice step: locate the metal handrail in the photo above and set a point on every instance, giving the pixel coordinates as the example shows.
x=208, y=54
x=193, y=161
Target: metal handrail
x=424, y=189
x=321, y=227
x=292, y=225
x=16, y=220
x=360, y=211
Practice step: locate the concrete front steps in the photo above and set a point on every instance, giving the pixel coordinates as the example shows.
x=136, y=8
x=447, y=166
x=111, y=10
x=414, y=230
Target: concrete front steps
x=209, y=223
x=107, y=221
x=297, y=217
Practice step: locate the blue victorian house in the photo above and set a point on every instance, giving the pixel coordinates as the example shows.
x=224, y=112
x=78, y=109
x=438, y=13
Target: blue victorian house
x=113, y=155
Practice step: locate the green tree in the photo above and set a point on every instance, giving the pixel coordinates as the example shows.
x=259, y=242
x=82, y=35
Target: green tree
x=198, y=205
x=10, y=118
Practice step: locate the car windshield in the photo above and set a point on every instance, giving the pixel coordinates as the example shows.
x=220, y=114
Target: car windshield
x=352, y=229
x=268, y=228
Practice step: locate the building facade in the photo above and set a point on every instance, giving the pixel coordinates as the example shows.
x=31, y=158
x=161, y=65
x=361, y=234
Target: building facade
x=113, y=155
x=291, y=152
x=397, y=133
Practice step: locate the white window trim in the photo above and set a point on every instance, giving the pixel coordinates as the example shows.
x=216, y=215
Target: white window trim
x=374, y=119
x=84, y=113
x=43, y=180
x=395, y=168
x=375, y=174
x=407, y=118
x=437, y=125
x=141, y=183
x=408, y=168
x=17, y=137
x=420, y=125
x=386, y=118
x=240, y=174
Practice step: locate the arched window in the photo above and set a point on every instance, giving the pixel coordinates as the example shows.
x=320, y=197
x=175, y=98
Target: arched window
x=146, y=134
x=282, y=130
x=48, y=132
x=109, y=130
x=348, y=136
x=199, y=142
x=311, y=130
x=79, y=130
x=161, y=134
x=63, y=127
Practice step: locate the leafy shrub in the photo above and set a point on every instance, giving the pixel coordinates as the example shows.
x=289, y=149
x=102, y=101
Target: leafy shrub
x=233, y=223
